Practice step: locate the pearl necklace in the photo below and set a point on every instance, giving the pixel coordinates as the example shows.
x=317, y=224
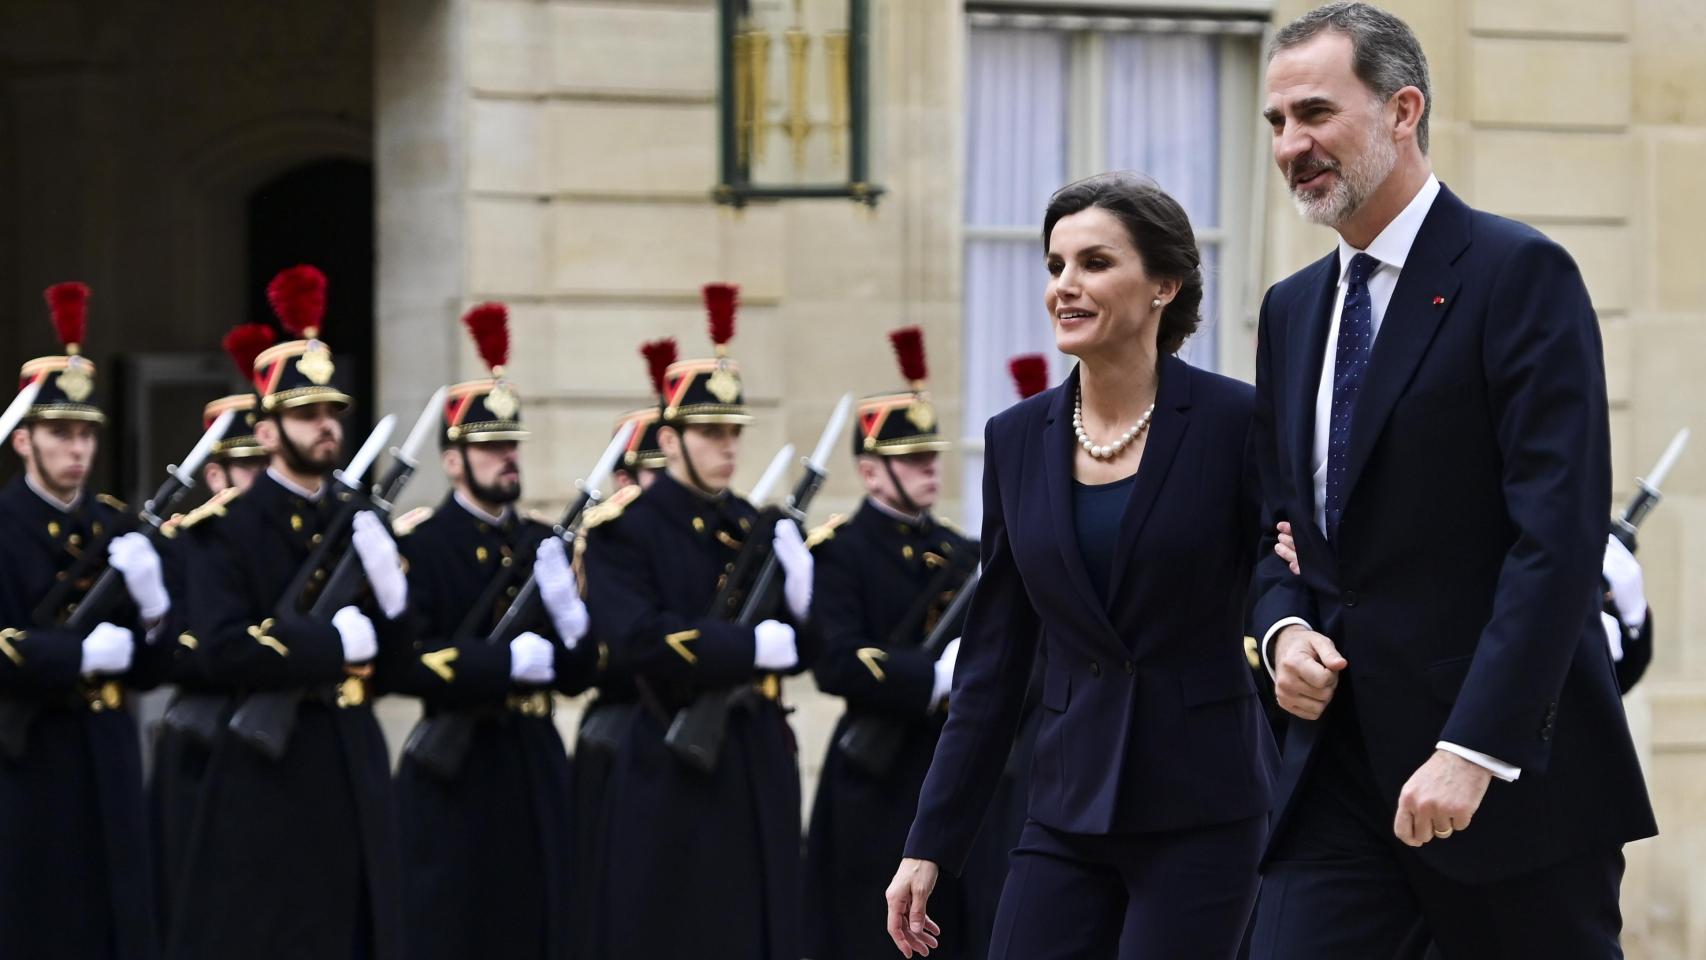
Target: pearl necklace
x=1112, y=450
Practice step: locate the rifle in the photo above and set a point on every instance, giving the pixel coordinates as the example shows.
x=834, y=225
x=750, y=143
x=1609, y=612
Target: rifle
x=265, y=720
x=107, y=592
x=440, y=743
x=871, y=743
x=1647, y=495
x=696, y=733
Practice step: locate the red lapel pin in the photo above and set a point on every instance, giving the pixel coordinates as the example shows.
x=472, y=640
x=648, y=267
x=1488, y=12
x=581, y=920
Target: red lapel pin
x=1438, y=301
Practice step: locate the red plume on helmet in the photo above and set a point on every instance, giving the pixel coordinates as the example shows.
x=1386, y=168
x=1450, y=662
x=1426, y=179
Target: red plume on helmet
x=298, y=298
x=659, y=355
x=720, y=302
x=69, y=305
x=908, y=345
x=1030, y=374
x=245, y=342
x=489, y=325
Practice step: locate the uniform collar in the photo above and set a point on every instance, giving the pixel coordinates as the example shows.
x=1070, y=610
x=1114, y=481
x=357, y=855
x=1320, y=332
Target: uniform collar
x=292, y=488
x=50, y=499
x=481, y=515
x=917, y=521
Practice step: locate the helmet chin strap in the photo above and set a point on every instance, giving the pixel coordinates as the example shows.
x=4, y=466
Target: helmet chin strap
x=693, y=477
x=907, y=504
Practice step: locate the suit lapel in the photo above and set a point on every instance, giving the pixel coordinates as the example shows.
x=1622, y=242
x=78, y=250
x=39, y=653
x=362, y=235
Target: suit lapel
x=1427, y=290
x=1309, y=362
x=1166, y=431
x=1058, y=446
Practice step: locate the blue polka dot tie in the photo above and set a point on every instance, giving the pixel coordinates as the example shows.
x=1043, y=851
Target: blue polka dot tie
x=1350, y=362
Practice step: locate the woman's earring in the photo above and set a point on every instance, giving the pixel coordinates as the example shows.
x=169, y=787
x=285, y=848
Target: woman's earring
x=1156, y=302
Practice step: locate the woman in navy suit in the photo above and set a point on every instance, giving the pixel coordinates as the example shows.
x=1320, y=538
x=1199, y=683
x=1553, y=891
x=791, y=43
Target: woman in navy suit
x=1120, y=522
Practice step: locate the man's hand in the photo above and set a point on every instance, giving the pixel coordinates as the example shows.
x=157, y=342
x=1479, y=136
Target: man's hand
x=1286, y=548
x=1306, y=671
x=1440, y=798
x=910, y=927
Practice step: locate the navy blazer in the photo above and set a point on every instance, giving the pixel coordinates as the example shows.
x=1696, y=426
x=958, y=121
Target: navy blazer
x=1149, y=717
x=1463, y=586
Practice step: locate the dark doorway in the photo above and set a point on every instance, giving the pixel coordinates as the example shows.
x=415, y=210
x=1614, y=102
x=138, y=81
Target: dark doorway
x=322, y=213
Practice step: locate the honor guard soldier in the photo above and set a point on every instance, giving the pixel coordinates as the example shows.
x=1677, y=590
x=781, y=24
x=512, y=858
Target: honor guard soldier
x=183, y=742
x=484, y=786
x=605, y=720
x=75, y=875
x=703, y=856
x=294, y=850
x=884, y=579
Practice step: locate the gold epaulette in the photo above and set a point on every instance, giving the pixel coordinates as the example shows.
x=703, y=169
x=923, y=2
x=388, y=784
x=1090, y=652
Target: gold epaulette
x=611, y=508
x=825, y=532
x=214, y=507
x=406, y=524
x=112, y=501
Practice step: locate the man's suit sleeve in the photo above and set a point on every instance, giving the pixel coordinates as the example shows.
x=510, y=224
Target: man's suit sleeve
x=1278, y=594
x=990, y=679
x=1544, y=369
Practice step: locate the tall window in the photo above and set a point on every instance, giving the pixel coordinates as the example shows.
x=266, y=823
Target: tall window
x=1050, y=99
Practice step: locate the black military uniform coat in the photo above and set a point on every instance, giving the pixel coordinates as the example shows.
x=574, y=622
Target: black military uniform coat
x=603, y=727
x=181, y=754
x=75, y=876
x=295, y=857
x=871, y=576
x=700, y=865
x=487, y=853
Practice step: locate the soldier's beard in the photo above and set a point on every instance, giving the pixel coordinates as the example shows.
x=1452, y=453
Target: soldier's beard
x=301, y=462
x=493, y=493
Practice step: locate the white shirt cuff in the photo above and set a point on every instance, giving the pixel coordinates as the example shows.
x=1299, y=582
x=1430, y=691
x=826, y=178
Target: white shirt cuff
x=1268, y=640
x=1496, y=767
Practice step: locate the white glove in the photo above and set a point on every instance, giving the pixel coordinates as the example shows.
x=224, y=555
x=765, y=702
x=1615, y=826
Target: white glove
x=107, y=649
x=562, y=595
x=381, y=563
x=532, y=660
x=1628, y=591
x=134, y=557
x=773, y=646
x=945, y=672
x=356, y=632
x=796, y=560
x=1613, y=635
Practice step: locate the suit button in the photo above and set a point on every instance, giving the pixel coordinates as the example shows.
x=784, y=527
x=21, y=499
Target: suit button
x=1130, y=668
x=1348, y=598
x=1095, y=669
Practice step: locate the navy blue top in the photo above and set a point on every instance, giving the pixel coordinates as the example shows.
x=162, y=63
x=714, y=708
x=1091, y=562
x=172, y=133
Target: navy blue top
x=1096, y=512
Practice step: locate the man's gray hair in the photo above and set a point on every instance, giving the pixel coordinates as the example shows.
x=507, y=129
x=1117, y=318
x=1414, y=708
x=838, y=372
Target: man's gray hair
x=1385, y=54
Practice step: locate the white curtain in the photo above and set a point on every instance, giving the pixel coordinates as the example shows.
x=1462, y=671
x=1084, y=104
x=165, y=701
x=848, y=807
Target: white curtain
x=1162, y=118
x=1015, y=157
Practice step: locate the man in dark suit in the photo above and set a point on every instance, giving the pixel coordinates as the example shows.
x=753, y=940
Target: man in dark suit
x=1459, y=767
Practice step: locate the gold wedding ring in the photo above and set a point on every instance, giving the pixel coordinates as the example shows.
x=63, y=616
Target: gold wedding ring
x=1442, y=834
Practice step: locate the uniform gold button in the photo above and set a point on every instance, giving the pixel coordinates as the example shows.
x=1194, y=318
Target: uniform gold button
x=315, y=539
x=1095, y=669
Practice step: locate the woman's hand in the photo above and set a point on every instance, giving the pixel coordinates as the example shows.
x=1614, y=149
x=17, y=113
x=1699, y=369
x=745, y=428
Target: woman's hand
x=1287, y=546
x=909, y=892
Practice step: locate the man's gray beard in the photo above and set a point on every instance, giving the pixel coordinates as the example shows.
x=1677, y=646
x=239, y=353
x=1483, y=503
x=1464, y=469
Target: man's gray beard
x=1354, y=184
